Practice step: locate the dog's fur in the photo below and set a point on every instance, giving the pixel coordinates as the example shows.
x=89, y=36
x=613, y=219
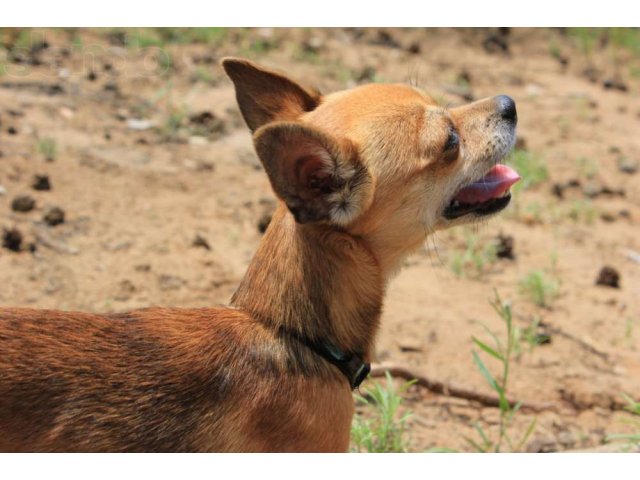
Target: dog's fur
x=363, y=177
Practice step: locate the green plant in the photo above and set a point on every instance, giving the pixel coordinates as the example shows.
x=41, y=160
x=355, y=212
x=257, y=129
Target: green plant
x=585, y=38
x=503, y=354
x=386, y=431
x=173, y=124
x=48, y=148
x=541, y=289
x=630, y=439
x=164, y=61
x=625, y=38
x=531, y=334
x=475, y=256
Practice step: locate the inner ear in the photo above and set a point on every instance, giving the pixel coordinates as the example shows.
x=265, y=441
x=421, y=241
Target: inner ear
x=318, y=177
x=312, y=175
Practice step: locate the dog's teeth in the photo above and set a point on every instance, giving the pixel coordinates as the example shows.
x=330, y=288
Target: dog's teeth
x=456, y=203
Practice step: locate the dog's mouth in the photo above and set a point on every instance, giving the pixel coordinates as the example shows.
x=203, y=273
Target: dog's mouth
x=488, y=195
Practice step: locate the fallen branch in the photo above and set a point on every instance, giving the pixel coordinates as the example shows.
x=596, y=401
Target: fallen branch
x=450, y=389
x=580, y=341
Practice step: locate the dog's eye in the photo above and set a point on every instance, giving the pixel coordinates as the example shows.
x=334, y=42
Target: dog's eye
x=453, y=141
x=451, y=147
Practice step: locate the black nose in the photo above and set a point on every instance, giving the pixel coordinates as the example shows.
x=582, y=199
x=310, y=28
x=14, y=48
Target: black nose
x=507, y=108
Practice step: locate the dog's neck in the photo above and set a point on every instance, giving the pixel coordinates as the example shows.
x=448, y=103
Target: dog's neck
x=315, y=282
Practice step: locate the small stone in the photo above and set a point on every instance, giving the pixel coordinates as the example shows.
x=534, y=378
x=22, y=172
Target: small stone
x=608, y=217
x=591, y=190
x=53, y=216
x=615, y=84
x=66, y=112
x=504, y=247
x=558, y=190
x=111, y=87
x=626, y=165
x=125, y=289
x=139, y=124
x=624, y=213
x=200, y=241
x=12, y=131
x=92, y=76
x=170, y=282
x=3, y=190
x=12, y=239
x=23, y=203
x=414, y=48
x=41, y=182
x=608, y=277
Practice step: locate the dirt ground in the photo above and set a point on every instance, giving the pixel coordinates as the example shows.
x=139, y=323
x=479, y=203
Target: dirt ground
x=163, y=199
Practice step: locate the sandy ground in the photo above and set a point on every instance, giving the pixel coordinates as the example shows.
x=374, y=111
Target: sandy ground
x=163, y=197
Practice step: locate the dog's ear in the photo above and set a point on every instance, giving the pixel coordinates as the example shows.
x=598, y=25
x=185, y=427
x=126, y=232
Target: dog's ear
x=265, y=96
x=318, y=177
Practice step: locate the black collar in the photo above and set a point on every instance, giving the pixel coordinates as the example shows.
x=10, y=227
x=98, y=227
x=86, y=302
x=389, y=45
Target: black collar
x=350, y=364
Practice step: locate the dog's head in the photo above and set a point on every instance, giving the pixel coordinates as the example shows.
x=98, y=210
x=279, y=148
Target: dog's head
x=382, y=162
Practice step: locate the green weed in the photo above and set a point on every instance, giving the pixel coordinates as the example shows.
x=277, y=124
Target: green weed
x=540, y=288
x=386, y=431
x=503, y=353
x=630, y=439
x=48, y=148
x=531, y=335
x=173, y=125
x=585, y=39
x=475, y=257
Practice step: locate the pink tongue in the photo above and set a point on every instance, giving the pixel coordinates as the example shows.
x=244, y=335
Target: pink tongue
x=493, y=185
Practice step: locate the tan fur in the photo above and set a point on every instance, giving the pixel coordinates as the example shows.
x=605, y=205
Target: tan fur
x=362, y=178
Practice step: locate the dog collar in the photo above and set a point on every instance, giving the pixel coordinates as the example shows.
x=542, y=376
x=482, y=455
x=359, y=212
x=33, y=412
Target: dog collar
x=350, y=364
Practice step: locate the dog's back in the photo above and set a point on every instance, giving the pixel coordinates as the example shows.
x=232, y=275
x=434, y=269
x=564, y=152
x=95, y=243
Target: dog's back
x=151, y=380
x=91, y=382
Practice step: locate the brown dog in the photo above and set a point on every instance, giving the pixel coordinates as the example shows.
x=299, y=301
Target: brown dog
x=363, y=176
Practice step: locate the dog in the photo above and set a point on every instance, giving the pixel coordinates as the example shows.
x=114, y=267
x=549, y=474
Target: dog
x=362, y=176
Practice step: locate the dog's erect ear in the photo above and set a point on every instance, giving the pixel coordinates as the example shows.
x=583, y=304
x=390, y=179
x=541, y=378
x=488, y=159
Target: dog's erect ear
x=318, y=177
x=265, y=96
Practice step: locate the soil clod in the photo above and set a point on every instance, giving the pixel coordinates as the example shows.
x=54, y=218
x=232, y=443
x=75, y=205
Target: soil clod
x=53, y=216
x=41, y=182
x=626, y=165
x=615, y=84
x=12, y=239
x=608, y=277
x=200, y=241
x=23, y=203
x=504, y=247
